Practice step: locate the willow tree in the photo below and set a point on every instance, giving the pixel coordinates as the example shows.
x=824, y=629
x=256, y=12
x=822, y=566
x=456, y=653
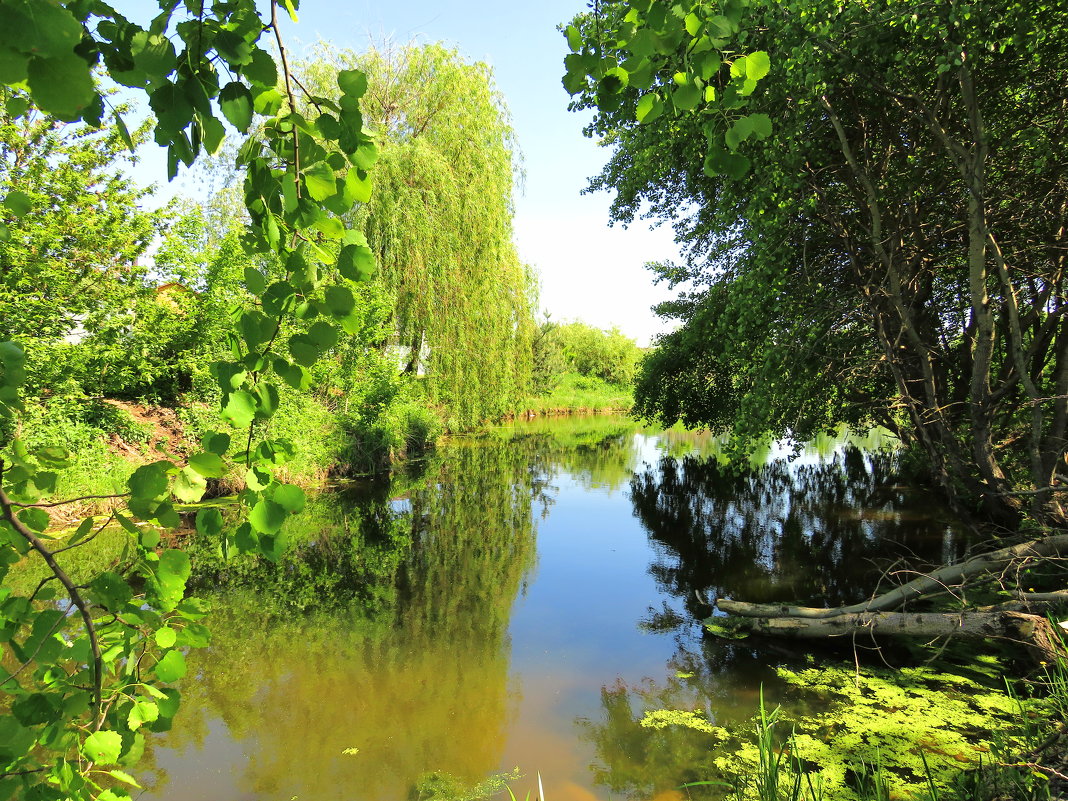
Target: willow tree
x=440, y=222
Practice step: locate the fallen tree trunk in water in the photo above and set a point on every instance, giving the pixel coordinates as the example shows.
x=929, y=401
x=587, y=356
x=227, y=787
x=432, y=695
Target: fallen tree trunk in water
x=1033, y=632
x=1013, y=620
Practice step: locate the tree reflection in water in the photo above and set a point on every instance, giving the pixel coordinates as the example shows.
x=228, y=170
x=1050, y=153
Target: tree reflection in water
x=383, y=628
x=814, y=532
x=819, y=530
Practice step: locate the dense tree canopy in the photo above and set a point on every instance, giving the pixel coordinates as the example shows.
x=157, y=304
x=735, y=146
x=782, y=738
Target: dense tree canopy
x=440, y=222
x=897, y=255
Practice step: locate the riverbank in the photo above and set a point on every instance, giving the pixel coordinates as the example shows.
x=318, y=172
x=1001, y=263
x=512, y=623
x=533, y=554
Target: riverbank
x=108, y=439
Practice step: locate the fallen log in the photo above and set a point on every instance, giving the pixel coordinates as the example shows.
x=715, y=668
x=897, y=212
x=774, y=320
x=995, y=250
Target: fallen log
x=1033, y=632
x=936, y=582
x=1014, y=620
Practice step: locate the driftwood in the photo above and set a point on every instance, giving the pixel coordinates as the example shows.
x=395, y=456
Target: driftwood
x=1014, y=620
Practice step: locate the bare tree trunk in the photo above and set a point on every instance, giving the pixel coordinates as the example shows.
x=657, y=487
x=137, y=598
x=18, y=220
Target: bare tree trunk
x=1033, y=632
x=1013, y=620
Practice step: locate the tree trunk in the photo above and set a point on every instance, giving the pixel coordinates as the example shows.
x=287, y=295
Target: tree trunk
x=1012, y=620
x=1033, y=632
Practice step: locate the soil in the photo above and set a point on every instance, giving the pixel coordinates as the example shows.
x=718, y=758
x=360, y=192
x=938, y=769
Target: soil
x=166, y=438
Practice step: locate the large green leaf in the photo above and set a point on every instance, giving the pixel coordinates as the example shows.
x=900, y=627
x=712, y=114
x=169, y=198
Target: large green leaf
x=352, y=82
x=208, y=464
x=103, y=747
x=39, y=27
x=240, y=408
x=235, y=100
x=172, y=572
x=61, y=84
x=267, y=517
x=320, y=181
x=170, y=668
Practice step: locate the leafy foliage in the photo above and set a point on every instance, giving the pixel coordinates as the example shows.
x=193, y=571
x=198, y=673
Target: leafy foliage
x=440, y=224
x=896, y=259
x=83, y=688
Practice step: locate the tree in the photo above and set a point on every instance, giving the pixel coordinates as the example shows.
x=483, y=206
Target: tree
x=74, y=231
x=440, y=223
x=897, y=257
x=83, y=688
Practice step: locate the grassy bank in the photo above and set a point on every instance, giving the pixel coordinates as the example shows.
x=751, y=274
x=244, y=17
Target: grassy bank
x=574, y=393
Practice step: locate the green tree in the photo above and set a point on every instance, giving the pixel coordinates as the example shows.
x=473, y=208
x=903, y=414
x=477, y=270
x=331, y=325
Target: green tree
x=75, y=232
x=897, y=259
x=440, y=223
x=609, y=355
x=82, y=688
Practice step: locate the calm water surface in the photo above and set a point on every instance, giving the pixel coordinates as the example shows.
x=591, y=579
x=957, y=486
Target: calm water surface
x=519, y=600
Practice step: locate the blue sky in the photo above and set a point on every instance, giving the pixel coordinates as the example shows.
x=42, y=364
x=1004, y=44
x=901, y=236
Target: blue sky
x=588, y=270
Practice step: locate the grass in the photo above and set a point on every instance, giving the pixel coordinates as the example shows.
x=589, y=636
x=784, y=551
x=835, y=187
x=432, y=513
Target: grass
x=578, y=393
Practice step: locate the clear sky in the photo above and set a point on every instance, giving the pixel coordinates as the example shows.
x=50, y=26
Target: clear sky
x=588, y=270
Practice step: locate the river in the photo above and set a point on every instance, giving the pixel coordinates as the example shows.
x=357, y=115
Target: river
x=516, y=600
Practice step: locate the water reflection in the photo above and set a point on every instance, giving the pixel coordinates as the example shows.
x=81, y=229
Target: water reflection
x=458, y=618
x=409, y=589
x=821, y=529
x=809, y=531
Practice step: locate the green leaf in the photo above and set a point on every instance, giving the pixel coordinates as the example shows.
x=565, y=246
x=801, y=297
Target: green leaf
x=304, y=349
x=13, y=68
x=189, y=486
x=761, y=124
x=142, y=712
x=165, y=637
x=149, y=481
x=209, y=465
x=324, y=335
x=36, y=519
x=356, y=262
x=61, y=85
x=34, y=709
x=153, y=53
x=122, y=776
x=124, y=132
x=235, y=100
x=209, y=522
x=267, y=517
x=352, y=82
x=215, y=442
x=170, y=668
x=172, y=573
x=18, y=203
x=103, y=747
x=721, y=162
x=686, y=97
x=261, y=69
x=240, y=409
x=574, y=38
x=340, y=301
x=757, y=65
x=650, y=106
x=290, y=498
x=214, y=134
x=357, y=189
x=43, y=28
x=320, y=181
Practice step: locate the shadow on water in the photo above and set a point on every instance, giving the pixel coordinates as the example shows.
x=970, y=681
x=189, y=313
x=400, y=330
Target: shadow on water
x=458, y=617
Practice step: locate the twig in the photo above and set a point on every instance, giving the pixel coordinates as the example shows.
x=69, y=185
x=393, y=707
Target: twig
x=76, y=598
